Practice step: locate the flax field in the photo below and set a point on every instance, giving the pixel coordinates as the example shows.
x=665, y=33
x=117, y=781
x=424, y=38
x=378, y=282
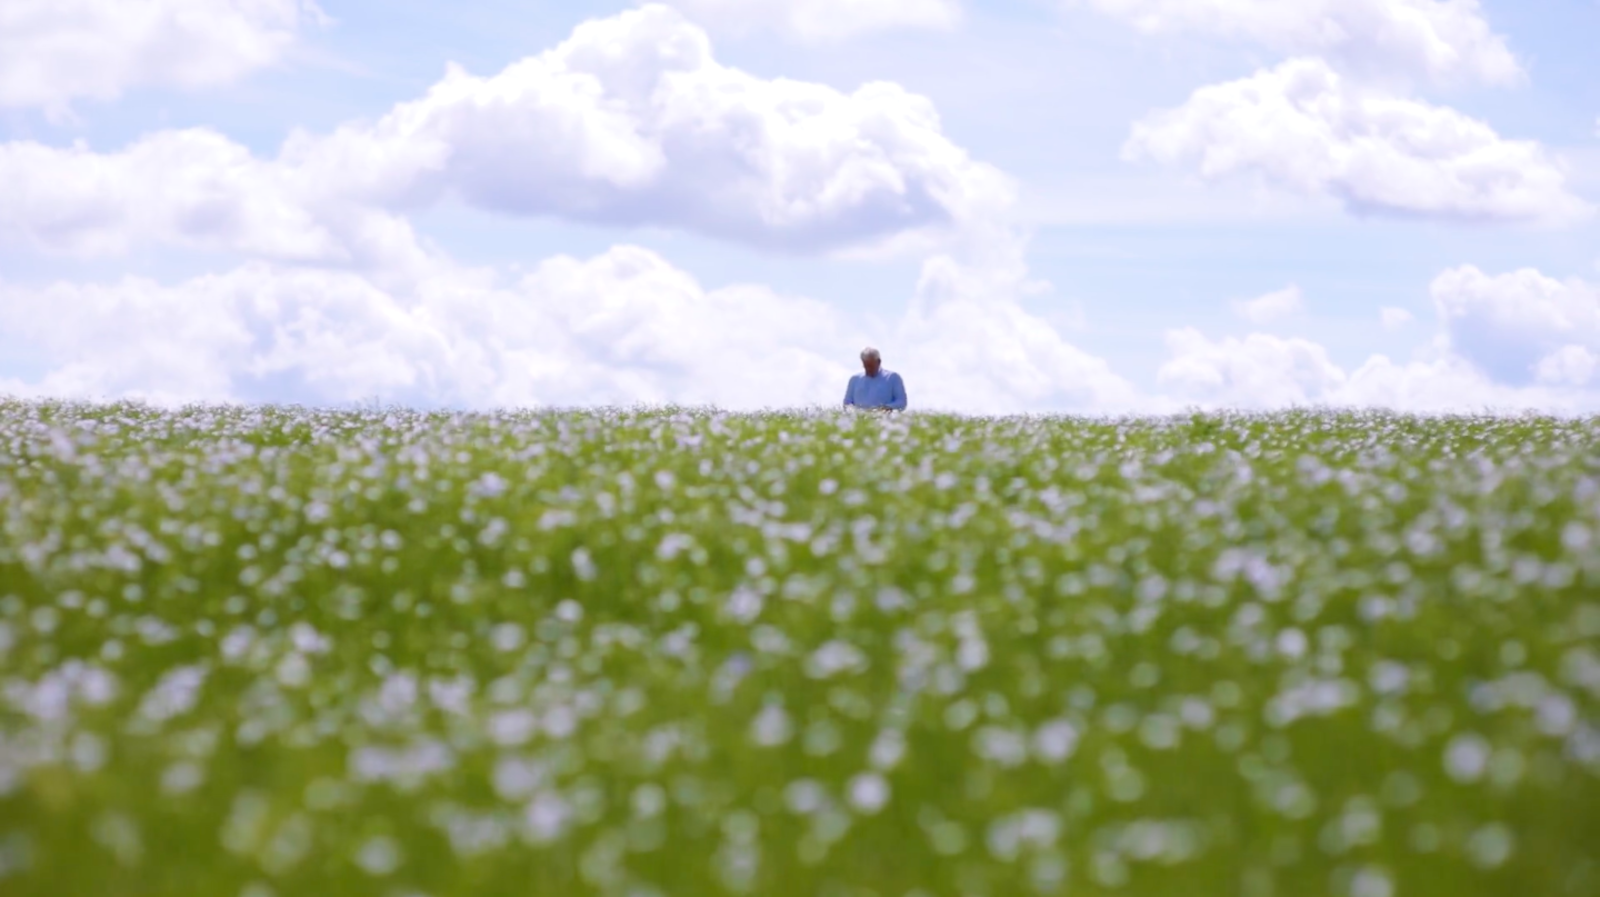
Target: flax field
x=279, y=652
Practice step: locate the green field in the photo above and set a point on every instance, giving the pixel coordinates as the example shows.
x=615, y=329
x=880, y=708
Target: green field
x=257, y=651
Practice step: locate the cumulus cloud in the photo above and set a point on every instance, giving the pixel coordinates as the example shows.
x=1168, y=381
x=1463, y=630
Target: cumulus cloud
x=823, y=20
x=629, y=122
x=1263, y=371
x=1257, y=371
x=194, y=188
x=1394, y=318
x=1517, y=340
x=1568, y=366
x=1449, y=383
x=973, y=347
x=997, y=358
x=1443, y=40
x=1271, y=307
x=1303, y=127
x=624, y=326
x=632, y=121
x=619, y=328
x=1522, y=326
x=55, y=51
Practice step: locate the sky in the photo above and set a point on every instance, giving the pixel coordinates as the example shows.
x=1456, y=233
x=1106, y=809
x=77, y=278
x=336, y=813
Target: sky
x=1029, y=206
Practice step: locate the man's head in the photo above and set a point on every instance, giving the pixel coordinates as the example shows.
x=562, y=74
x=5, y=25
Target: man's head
x=871, y=361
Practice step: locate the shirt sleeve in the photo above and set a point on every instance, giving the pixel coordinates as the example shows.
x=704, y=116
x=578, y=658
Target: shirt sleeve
x=849, y=392
x=897, y=395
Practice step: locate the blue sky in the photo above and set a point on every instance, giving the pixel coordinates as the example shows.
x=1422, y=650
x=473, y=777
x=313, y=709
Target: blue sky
x=1025, y=250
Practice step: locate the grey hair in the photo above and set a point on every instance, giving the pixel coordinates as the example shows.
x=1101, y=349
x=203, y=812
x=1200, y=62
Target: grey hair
x=870, y=352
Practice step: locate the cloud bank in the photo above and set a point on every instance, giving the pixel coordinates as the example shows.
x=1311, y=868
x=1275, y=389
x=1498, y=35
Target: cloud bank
x=631, y=122
x=1516, y=340
x=1521, y=326
x=820, y=21
x=619, y=328
x=1446, y=41
x=56, y=51
x=1304, y=128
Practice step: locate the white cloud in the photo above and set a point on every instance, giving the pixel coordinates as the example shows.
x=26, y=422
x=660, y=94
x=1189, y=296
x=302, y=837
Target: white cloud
x=631, y=121
x=823, y=20
x=193, y=188
x=619, y=328
x=1304, y=128
x=625, y=326
x=1449, y=383
x=1262, y=371
x=1271, y=307
x=1444, y=40
x=1520, y=326
x=55, y=51
x=1254, y=372
x=1518, y=340
x=1568, y=366
x=997, y=358
x=1394, y=318
x=215, y=336
x=973, y=347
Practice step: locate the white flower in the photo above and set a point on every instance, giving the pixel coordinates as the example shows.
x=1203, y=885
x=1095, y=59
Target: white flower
x=174, y=695
x=1466, y=758
x=583, y=564
x=1055, y=741
x=378, y=855
x=834, y=658
x=771, y=727
x=744, y=605
x=510, y=728
x=548, y=816
x=869, y=793
x=887, y=749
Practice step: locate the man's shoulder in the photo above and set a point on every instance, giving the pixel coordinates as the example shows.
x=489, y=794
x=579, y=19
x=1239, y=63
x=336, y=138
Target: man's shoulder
x=890, y=375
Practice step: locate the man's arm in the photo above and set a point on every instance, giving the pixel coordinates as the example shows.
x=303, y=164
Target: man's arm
x=849, y=393
x=897, y=393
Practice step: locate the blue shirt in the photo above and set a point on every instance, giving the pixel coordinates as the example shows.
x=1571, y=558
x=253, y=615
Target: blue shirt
x=882, y=391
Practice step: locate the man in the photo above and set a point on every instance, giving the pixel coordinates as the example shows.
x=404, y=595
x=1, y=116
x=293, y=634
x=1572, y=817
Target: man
x=876, y=389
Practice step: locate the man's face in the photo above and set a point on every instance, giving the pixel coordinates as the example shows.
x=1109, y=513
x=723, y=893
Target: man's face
x=871, y=365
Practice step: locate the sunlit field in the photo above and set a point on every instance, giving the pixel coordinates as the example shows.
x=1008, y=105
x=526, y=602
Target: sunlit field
x=290, y=653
